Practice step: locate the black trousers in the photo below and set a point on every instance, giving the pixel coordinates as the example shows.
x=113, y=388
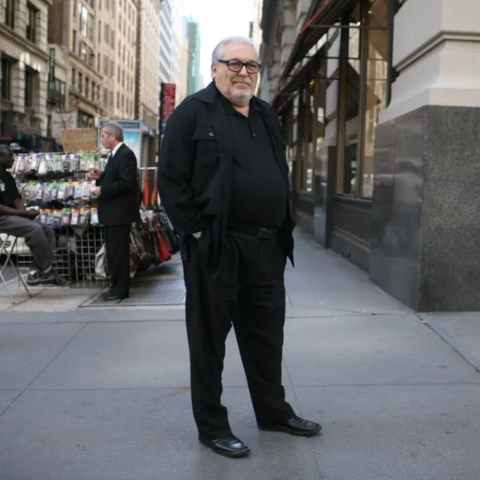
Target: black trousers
x=117, y=244
x=249, y=293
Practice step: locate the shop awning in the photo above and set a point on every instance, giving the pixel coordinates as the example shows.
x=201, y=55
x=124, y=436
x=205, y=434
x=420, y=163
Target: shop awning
x=327, y=14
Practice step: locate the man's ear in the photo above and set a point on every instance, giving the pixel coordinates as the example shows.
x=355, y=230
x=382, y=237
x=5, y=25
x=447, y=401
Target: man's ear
x=214, y=70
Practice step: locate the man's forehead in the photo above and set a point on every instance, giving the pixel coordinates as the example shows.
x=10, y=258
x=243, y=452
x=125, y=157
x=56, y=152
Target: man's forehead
x=241, y=51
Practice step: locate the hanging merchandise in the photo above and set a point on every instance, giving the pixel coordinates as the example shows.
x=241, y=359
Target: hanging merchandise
x=60, y=187
x=146, y=191
x=154, y=200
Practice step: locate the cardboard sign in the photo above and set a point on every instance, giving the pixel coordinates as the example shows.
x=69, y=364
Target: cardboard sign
x=80, y=140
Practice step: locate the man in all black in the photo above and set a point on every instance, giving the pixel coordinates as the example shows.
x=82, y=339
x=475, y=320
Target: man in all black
x=223, y=180
x=118, y=208
x=16, y=220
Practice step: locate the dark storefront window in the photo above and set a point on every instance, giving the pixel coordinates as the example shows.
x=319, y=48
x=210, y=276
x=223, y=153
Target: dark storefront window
x=365, y=92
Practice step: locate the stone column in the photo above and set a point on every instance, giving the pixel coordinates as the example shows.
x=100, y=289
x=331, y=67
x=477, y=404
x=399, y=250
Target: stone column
x=425, y=247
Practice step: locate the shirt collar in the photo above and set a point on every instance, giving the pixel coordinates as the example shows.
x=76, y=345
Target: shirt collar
x=115, y=150
x=229, y=108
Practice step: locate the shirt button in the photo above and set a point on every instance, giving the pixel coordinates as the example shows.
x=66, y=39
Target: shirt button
x=211, y=134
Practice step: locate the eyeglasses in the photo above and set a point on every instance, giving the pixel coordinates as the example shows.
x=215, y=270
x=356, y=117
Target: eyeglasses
x=236, y=65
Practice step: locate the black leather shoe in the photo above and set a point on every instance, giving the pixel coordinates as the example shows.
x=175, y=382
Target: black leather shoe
x=111, y=298
x=295, y=426
x=229, y=446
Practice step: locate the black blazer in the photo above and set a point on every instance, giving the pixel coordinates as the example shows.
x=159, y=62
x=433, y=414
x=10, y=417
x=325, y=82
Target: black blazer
x=195, y=172
x=118, y=203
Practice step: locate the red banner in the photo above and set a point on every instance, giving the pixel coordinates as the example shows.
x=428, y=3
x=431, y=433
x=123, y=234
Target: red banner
x=168, y=102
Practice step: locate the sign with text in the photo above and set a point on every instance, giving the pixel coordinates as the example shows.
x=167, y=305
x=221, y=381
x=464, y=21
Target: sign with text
x=80, y=140
x=169, y=91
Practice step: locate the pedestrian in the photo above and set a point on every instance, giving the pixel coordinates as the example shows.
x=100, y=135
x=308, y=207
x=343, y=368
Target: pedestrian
x=118, y=208
x=223, y=179
x=16, y=220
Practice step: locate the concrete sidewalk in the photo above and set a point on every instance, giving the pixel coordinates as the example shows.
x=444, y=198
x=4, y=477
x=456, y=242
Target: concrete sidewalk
x=98, y=394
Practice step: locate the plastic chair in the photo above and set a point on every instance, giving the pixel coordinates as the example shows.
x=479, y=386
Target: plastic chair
x=7, y=247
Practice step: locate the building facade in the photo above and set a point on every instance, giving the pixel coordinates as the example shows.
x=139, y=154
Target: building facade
x=101, y=40
x=147, y=103
x=25, y=61
x=116, y=33
x=379, y=104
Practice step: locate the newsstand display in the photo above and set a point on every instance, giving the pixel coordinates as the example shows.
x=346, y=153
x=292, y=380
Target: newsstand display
x=59, y=186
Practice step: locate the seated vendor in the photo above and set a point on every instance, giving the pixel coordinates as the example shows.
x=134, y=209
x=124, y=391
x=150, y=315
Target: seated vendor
x=16, y=220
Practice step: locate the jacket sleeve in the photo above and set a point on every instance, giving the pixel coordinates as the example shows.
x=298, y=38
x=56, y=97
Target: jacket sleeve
x=127, y=179
x=175, y=170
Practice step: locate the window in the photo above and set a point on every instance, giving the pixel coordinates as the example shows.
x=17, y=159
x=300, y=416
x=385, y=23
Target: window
x=93, y=91
x=99, y=31
x=106, y=30
x=366, y=74
x=80, y=83
x=74, y=77
x=74, y=10
x=112, y=39
x=83, y=51
x=105, y=97
x=118, y=73
x=74, y=41
x=105, y=65
x=29, y=87
x=9, y=12
x=87, y=85
x=85, y=24
x=56, y=93
x=84, y=120
x=6, y=79
x=111, y=99
x=91, y=58
x=118, y=100
x=99, y=61
x=31, y=22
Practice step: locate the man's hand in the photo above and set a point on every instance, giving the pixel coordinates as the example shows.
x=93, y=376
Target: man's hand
x=95, y=173
x=97, y=191
x=30, y=214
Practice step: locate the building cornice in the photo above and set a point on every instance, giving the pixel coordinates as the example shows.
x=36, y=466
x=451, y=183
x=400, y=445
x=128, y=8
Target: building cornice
x=23, y=43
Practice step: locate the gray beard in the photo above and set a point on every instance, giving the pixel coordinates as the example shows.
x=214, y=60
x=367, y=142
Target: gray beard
x=242, y=99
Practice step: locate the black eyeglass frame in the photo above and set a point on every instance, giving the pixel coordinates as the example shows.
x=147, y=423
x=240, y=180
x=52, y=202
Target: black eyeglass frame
x=243, y=64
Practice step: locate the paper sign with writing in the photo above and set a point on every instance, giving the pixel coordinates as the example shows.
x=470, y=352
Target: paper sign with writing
x=80, y=140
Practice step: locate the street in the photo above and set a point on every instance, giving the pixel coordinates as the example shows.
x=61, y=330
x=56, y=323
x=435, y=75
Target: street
x=103, y=393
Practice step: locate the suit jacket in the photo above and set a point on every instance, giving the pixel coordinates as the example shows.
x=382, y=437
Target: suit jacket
x=195, y=172
x=118, y=203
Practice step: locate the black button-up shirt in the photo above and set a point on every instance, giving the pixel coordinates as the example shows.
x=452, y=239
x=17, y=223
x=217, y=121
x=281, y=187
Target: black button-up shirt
x=8, y=190
x=259, y=190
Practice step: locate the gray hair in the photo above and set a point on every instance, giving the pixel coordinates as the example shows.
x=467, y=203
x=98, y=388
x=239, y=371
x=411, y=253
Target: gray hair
x=113, y=128
x=220, y=48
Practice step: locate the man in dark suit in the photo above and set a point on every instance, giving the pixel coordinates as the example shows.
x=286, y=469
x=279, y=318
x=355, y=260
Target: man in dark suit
x=117, y=193
x=223, y=179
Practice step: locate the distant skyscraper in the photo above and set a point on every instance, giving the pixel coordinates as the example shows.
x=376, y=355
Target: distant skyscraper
x=194, y=80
